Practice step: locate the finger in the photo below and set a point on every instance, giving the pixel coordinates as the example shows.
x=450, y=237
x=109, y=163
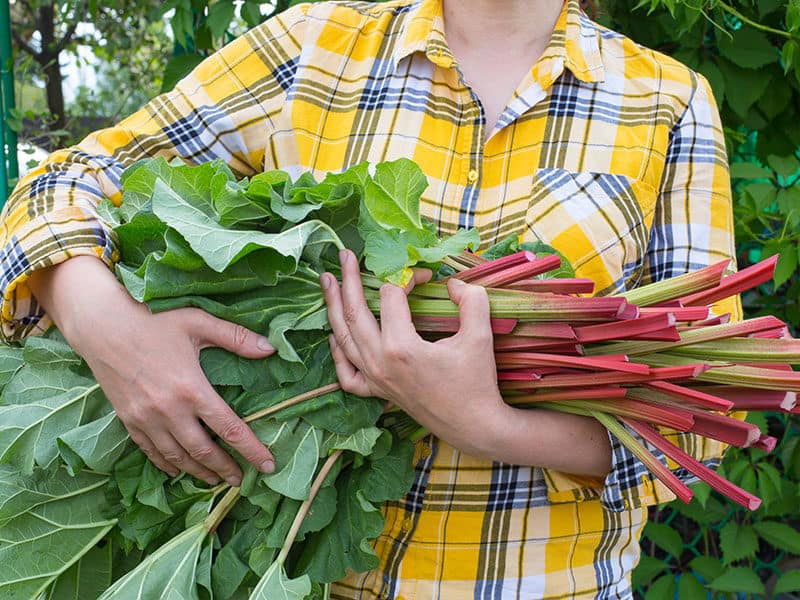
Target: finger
x=172, y=450
x=420, y=277
x=339, y=325
x=360, y=319
x=234, y=432
x=351, y=380
x=473, y=309
x=397, y=328
x=211, y=331
x=146, y=445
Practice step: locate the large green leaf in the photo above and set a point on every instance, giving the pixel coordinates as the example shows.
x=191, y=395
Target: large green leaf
x=275, y=585
x=87, y=578
x=748, y=48
x=738, y=579
x=48, y=521
x=169, y=573
x=221, y=247
x=96, y=445
x=392, y=195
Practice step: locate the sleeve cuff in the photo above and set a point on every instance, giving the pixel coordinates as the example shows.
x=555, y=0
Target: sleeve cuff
x=33, y=247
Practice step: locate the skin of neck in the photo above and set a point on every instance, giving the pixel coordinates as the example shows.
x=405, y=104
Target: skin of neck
x=500, y=25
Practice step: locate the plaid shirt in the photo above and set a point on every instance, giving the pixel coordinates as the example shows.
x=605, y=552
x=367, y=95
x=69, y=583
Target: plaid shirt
x=608, y=151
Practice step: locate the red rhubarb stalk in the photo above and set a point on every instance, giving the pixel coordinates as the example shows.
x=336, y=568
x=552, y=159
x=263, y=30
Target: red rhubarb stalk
x=615, y=331
x=745, y=279
x=516, y=272
x=692, y=313
x=610, y=378
x=555, y=286
x=716, y=481
x=749, y=399
x=451, y=325
x=511, y=360
x=545, y=330
x=598, y=393
x=694, y=396
x=496, y=265
x=655, y=466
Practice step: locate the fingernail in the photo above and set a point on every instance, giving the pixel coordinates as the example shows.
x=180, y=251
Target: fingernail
x=325, y=281
x=213, y=480
x=268, y=466
x=234, y=481
x=344, y=256
x=263, y=343
x=457, y=282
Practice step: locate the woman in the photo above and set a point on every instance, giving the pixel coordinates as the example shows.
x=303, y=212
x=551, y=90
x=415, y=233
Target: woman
x=528, y=119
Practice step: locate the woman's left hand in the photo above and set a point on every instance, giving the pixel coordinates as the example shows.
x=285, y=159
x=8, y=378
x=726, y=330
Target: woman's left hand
x=448, y=386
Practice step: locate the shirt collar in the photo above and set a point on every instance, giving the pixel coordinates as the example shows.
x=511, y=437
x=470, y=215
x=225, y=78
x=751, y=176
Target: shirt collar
x=574, y=44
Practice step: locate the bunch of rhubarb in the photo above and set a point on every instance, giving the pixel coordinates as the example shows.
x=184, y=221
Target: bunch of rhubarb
x=651, y=358
x=251, y=252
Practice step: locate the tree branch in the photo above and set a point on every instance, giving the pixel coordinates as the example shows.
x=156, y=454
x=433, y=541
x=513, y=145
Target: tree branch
x=79, y=8
x=24, y=45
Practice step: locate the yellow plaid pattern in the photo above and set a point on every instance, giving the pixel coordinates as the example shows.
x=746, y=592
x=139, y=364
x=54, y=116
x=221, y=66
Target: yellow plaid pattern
x=608, y=151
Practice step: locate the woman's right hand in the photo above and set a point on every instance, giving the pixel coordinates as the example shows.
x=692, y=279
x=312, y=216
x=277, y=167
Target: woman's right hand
x=148, y=365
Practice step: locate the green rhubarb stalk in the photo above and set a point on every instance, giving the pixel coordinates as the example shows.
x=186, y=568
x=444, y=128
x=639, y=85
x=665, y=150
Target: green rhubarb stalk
x=727, y=374
x=752, y=350
x=676, y=287
x=711, y=333
x=315, y=393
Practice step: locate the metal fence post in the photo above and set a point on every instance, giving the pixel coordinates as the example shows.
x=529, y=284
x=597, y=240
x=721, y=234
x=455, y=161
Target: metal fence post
x=9, y=169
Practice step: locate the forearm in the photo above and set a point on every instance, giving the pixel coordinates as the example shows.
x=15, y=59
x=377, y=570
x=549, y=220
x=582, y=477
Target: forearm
x=549, y=439
x=78, y=295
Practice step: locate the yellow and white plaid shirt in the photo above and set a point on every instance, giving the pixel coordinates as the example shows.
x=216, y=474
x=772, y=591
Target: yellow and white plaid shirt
x=609, y=151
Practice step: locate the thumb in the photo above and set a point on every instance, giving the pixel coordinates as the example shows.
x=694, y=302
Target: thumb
x=213, y=332
x=473, y=309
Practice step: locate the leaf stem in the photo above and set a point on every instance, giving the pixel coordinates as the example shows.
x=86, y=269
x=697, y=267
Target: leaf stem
x=221, y=510
x=303, y=510
x=320, y=391
x=729, y=9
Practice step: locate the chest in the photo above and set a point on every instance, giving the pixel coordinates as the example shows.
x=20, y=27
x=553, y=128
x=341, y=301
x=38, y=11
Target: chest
x=563, y=165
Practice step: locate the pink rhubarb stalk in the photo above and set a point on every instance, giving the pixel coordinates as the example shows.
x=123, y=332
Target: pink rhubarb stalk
x=517, y=272
x=694, y=396
x=494, y=266
x=511, y=360
x=734, y=284
x=616, y=331
x=555, y=286
x=716, y=481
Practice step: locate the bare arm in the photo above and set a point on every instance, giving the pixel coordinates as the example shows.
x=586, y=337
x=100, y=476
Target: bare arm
x=450, y=386
x=148, y=366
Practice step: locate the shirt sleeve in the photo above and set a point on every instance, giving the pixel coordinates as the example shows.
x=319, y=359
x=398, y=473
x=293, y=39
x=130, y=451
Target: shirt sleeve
x=692, y=228
x=225, y=109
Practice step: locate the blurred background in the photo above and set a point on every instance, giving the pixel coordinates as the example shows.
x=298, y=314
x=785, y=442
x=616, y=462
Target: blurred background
x=69, y=67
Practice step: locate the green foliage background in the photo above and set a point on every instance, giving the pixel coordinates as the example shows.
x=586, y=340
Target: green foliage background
x=750, y=53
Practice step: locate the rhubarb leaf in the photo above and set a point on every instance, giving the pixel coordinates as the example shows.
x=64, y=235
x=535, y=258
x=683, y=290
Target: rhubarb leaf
x=28, y=432
x=87, y=578
x=275, y=585
x=10, y=362
x=96, y=445
x=219, y=247
x=392, y=195
x=295, y=478
x=169, y=572
x=346, y=542
x=51, y=516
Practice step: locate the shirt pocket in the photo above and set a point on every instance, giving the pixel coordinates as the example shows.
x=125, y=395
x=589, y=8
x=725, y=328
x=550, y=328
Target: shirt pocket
x=600, y=221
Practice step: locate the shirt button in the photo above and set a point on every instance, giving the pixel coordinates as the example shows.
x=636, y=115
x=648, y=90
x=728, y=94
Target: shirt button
x=472, y=176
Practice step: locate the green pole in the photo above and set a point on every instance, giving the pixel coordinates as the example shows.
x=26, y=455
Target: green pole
x=9, y=136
